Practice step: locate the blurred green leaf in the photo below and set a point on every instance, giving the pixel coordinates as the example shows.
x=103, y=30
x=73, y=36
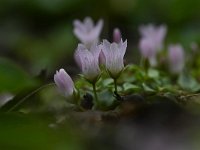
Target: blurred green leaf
x=107, y=100
x=147, y=88
x=187, y=82
x=107, y=82
x=12, y=77
x=131, y=87
x=20, y=132
x=153, y=73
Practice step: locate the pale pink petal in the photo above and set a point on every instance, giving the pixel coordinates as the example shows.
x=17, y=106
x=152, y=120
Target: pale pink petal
x=64, y=82
x=78, y=53
x=147, y=48
x=122, y=46
x=97, y=29
x=89, y=25
x=80, y=35
x=106, y=47
x=87, y=32
x=114, y=54
x=88, y=61
x=78, y=25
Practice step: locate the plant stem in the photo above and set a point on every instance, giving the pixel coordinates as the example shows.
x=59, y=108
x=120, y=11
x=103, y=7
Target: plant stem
x=29, y=95
x=142, y=59
x=115, y=84
x=146, y=66
x=95, y=93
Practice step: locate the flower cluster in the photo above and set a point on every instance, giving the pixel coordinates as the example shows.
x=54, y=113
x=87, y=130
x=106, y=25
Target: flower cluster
x=152, y=42
x=93, y=56
x=89, y=54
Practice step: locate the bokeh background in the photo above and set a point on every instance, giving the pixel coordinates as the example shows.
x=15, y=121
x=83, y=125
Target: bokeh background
x=36, y=38
x=38, y=34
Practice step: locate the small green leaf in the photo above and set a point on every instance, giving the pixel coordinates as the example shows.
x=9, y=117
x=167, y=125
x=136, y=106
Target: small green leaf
x=187, y=82
x=147, y=88
x=152, y=73
x=130, y=87
x=107, y=82
x=106, y=99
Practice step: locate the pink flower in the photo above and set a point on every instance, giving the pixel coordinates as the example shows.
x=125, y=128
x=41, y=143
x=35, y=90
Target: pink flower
x=114, y=56
x=88, y=61
x=157, y=34
x=87, y=32
x=147, y=49
x=151, y=41
x=176, y=58
x=64, y=82
x=117, y=35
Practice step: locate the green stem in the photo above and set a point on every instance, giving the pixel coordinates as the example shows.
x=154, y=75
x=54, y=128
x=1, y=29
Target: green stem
x=146, y=66
x=29, y=95
x=115, y=84
x=95, y=93
x=142, y=61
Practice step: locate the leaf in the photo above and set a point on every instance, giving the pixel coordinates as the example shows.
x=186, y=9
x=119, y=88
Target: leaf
x=107, y=82
x=19, y=100
x=152, y=73
x=106, y=99
x=187, y=82
x=130, y=87
x=147, y=88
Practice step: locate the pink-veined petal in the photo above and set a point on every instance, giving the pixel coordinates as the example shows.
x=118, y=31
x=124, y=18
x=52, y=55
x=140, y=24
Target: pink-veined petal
x=64, y=82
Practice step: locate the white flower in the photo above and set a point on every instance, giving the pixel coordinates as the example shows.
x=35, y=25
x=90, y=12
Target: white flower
x=114, y=56
x=87, y=32
x=176, y=58
x=64, y=82
x=88, y=61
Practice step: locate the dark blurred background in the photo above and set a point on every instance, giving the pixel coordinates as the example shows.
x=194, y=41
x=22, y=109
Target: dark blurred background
x=38, y=34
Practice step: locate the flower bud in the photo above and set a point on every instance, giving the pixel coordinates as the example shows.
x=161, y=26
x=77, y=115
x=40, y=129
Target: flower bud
x=117, y=35
x=64, y=83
